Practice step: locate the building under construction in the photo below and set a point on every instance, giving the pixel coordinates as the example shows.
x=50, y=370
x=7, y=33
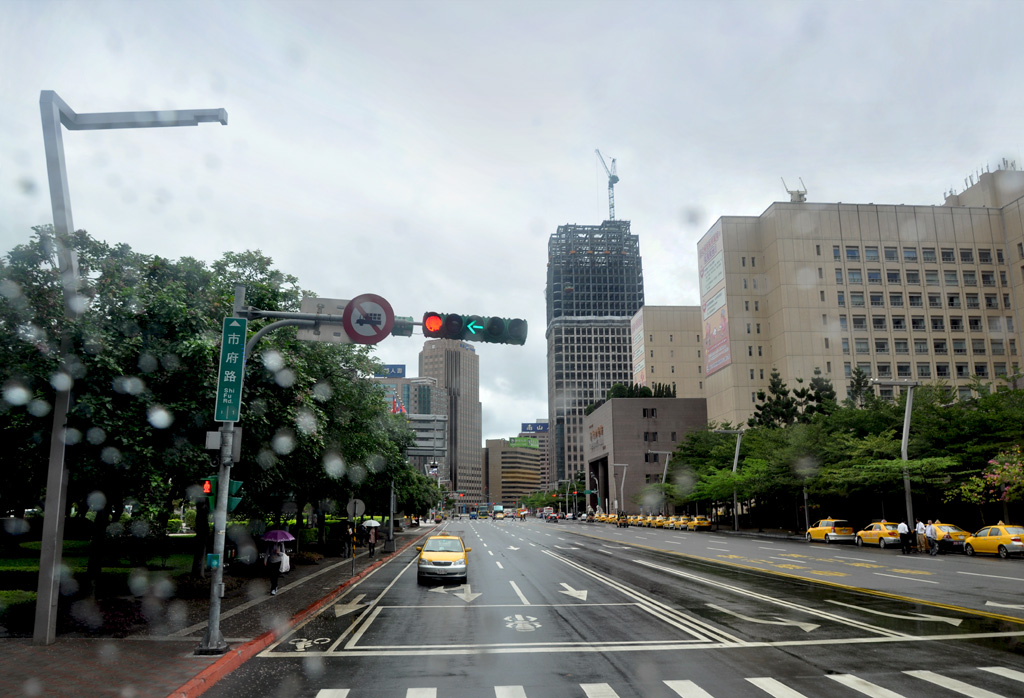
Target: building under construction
x=595, y=285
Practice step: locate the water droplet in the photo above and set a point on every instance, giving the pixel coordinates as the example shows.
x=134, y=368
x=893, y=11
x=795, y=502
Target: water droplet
x=96, y=436
x=61, y=381
x=39, y=408
x=16, y=394
x=273, y=360
x=285, y=378
x=159, y=417
x=96, y=500
x=283, y=442
x=110, y=455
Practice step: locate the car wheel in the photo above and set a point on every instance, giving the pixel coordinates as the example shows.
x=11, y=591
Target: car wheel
x=881, y=543
x=860, y=542
x=1003, y=552
x=827, y=539
x=969, y=549
x=808, y=537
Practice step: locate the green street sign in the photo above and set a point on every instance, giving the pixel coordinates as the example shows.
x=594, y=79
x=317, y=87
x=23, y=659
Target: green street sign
x=231, y=372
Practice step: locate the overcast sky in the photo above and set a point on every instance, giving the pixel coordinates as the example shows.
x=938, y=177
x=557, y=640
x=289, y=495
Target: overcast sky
x=425, y=151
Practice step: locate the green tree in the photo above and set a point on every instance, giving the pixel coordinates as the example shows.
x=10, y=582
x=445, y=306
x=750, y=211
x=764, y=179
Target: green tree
x=776, y=408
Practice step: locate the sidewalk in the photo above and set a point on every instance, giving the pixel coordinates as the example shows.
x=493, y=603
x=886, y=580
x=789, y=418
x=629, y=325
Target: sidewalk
x=160, y=662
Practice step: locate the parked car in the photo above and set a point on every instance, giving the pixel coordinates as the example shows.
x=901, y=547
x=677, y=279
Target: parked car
x=951, y=537
x=831, y=531
x=1002, y=539
x=883, y=534
x=698, y=523
x=552, y=518
x=442, y=557
x=622, y=521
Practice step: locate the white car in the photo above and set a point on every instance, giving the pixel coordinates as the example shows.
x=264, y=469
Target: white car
x=569, y=515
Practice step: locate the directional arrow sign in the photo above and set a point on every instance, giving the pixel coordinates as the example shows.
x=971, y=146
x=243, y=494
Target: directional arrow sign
x=580, y=594
x=467, y=594
x=473, y=327
x=806, y=627
x=342, y=609
x=916, y=616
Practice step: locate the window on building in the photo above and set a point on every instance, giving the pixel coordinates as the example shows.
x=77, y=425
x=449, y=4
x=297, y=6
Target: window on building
x=896, y=300
x=884, y=371
x=842, y=323
x=759, y=328
x=841, y=299
x=941, y=370
x=744, y=283
x=934, y=300
x=978, y=347
x=748, y=328
x=901, y=346
x=910, y=254
x=759, y=349
x=852, y=254
x=917, y=324
x=915, y=300
x=821, y=295
x=826, y=342
x=924, y=370
x=751, y=374
x=836, y=256
x=746, y=306
x=744, y=262
x=981, y=370
x=939, y=346
x=938, y=323
x=860, y=346
x=860, y=322
x=913, y=277
x=871, y=254
x=856, y=299
x=999, y=256
x=817, y=250
x=891, y=254
x=892, y=276
x=972, y=301
x=998, y=348
x=953, y=300
x=931, y=277
x=970, y=278
x=920, y=346
x=757, y=306
x=948, y=255
x=959, y=346
x=974, y=324
x=881, y=346
x=966, y=256
x=874, y=276
x=846, y=345
x=899, y=323
x=855, y=276
x=903, y=370
x=762, y=373
x=985, y=256
x=928, y=255
x=878, y=322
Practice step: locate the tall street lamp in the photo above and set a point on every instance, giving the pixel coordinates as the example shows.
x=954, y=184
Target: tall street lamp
x=55, y=112
x=664, y=471
x=909, y=385
x=735, y=464
x=622, y=492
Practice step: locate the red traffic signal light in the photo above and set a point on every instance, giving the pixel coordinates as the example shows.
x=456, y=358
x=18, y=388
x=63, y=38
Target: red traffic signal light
x=461, y=494
x=433, y=323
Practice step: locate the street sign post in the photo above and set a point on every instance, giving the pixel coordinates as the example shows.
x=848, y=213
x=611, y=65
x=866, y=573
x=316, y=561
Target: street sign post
x=232, y=370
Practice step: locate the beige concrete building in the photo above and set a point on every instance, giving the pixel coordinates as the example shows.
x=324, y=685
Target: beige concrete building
x=511, y=472
x=667, y=348
x=455, y=366
x=629, y=441
x=906, y=293
x=539, y=429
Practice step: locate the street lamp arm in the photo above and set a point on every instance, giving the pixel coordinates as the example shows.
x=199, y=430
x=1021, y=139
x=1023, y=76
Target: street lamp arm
x=73, y=121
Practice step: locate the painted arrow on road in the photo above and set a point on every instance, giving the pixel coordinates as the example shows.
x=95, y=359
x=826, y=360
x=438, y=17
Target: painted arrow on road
x=467, y=594
x=342, y=609
x=1004, y=605
x=806, y=627
x=916, y=616
x=580, y=594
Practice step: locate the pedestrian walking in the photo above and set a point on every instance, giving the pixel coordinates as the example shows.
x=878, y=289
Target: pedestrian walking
x=904, y=532
x=922, y=540
x=932, y=535
x=275, y=555
x=371, y=540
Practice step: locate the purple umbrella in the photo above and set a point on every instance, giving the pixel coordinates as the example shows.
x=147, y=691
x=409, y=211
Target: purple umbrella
x=278, y=535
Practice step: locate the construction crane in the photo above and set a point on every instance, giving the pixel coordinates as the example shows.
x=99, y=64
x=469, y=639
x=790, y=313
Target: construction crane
x=612, y=179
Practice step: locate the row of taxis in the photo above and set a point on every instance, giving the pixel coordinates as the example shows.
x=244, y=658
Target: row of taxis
x=678, y=523
x=1001, y=539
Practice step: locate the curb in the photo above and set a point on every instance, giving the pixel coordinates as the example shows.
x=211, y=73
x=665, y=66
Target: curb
x=235, y=658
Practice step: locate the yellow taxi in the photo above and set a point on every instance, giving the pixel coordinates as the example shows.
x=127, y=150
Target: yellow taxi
x=699, y=523
x=831, y=531
x=634, y=519
x=671, y=521
x=648, y=521
x=951, y=537
x=680, y=523
x=442, y=557
x=883, y=534
x=1002, y=539
x=659, y=522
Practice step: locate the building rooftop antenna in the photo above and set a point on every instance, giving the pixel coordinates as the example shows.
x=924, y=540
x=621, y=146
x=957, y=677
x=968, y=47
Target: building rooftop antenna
x=612, y=180
x=796, y=196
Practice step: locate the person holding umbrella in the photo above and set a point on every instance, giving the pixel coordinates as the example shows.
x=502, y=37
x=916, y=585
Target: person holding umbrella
x=275, y=555
x=371, y=537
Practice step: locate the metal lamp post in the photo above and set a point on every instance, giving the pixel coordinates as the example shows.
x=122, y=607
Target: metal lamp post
x=735, y=464
x=910, y=385
x=55, y=112
x=597, y=487
x=622, y=492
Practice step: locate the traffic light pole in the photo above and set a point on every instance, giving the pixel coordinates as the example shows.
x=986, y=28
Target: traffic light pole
x=213, y=641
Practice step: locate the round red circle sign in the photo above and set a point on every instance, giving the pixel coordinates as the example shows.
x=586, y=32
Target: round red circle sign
x=367, y=319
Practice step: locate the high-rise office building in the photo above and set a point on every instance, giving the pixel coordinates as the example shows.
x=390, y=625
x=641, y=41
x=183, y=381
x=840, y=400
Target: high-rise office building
x=904, y=293
x=667, y=348
x=538, y=429
x=512, y=470
x=595, y=285
x=455, y=366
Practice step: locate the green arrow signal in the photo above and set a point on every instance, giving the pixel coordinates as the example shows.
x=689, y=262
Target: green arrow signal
x=473, y=326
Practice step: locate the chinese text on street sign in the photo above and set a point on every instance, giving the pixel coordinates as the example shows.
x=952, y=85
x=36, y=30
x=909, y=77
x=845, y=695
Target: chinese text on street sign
x=232, y=370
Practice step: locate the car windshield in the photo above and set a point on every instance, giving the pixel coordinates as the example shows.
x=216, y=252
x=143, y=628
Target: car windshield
x=1015, y=530
x=443, y=546
x=950, y=528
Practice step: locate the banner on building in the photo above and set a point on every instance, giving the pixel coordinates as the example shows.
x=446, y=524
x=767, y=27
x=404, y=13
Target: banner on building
x=524, y=442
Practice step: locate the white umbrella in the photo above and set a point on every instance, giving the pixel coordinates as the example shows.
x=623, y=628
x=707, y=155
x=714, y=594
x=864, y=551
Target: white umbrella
x=371, y=523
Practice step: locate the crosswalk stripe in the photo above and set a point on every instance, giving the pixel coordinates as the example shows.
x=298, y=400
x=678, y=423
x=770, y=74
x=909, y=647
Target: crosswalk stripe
x=509, y=692
x=598, y=690
x=960, y=687
x=862, y=686
x=332, y=693
x=688, y=689
x=421, y=693
x=775, y=689
x=1004, y=672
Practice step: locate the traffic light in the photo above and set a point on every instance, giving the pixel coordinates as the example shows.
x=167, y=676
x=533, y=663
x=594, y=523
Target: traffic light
x=474, y=328
x=402, y=327
x=210, y=490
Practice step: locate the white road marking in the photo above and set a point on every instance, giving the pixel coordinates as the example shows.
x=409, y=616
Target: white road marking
x=598, y=690
x=909, y=579
x=688, y=689
x=1004, y=605
x=421, y=693
x=914, y=616
x=580, y=594
x=509, y=692
x=490, y=552
x=522, y=597
x=775, y=689
x=775, y=549
x=1004, y=672
x=499, y=565
x=855, y=559
x=721, y=550
x=952, y=684
x=862, y=686
x=332, y=693
x=993, y=576
x=806, y=627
